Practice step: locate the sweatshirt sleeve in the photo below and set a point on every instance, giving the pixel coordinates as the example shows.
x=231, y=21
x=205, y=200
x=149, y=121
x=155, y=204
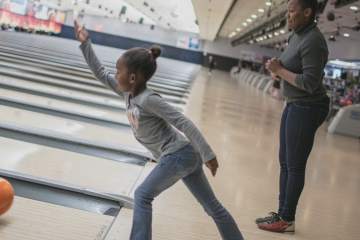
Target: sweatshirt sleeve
x=314, y=55
x=157, y=106
x=97, y=68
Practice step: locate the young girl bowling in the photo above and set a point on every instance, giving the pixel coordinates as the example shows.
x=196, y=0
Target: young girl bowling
x=151, y=120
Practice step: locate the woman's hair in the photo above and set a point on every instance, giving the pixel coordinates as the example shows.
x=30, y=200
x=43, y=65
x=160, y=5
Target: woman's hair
x=312, y=4
x=142, y=60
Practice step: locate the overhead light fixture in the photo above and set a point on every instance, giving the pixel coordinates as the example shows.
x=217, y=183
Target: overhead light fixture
x=270, y=35
x=354, y=8
x=232, y=34
x=244, y=24
x=249, y=20
x=282, y=31
x=261, y=10
x=268, y=3
x=238, y=29
x=276, y=33
x=254, y=16
x=346, y=35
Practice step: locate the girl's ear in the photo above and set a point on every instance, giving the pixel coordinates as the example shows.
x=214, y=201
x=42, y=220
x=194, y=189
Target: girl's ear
x=132, y=78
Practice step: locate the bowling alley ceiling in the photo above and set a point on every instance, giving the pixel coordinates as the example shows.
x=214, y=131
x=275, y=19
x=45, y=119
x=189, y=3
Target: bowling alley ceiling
x=245, y=14
x=198, y=16
x=264, y=21
x=211, y=15
x=211, y=18
x=341, y=21
x=169, y=14
x=173, y=14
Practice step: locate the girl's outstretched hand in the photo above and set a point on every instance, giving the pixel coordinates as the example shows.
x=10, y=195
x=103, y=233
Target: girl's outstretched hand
x=80, y=32
x=213, y=165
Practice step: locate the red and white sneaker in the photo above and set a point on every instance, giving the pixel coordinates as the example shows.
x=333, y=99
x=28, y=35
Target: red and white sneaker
x=278, y=225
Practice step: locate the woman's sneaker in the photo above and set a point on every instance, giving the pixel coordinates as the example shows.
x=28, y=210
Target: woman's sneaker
x=271, y=216
x=276, y=224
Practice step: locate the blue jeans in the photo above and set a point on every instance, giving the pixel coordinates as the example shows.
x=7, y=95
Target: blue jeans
x=184, y=164
x=299, y=123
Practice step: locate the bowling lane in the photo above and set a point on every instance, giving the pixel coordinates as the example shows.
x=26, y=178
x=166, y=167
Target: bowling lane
x=50, y=66
x=52, y=77
x=77, y=96
x=47, y=125
x=67, y=109
x=56, y=92
x=68, y=168
x=34, y=72
x=7, y=95
x=76, y=76
x=165, y=70
x=11, y=53
x=166, y=65
x=34, y=220
x=121, y=227
x=172, y=78
x=67, y=63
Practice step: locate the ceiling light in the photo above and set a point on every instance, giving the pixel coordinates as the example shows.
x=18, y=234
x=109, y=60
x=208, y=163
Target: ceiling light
x=261, y=10
x=232, y=34
x=282, y=31
x=276, y=33
x=346, y=35
x=245, y=24
x=254, y=16
x=268, y=4
x=270, y=35
x=238, y=29
x=354, y=8
x=249, y=20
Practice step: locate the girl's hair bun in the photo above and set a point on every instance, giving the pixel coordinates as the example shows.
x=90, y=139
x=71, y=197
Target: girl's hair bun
x=155, y=51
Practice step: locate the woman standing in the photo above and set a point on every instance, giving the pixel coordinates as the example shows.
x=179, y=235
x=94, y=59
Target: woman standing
x=301, y=70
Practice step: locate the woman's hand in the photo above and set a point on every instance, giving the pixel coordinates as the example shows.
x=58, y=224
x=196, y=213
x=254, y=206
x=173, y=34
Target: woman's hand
x=275, y=77
x=213, y=165
x=274, y=66
x=279, y=71
x=80, y=32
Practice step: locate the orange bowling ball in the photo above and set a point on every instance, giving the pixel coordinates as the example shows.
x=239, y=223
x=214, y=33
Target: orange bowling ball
x=6, y=195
